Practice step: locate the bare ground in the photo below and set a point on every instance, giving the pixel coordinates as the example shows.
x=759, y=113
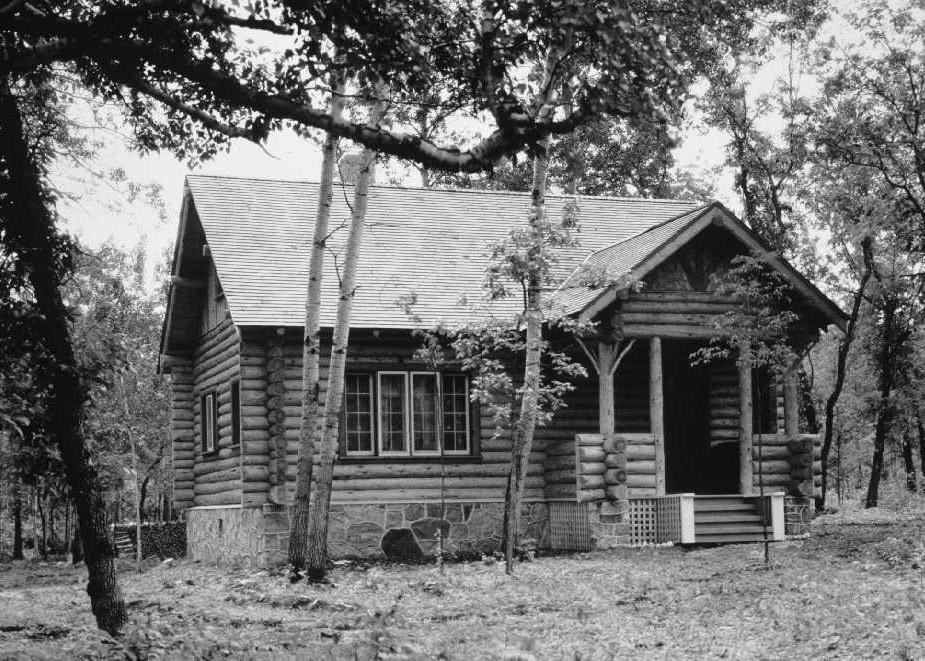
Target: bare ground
x=855, y=589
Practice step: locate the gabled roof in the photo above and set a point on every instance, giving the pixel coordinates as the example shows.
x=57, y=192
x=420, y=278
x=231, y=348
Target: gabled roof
x=422, y=243
x=638, y=256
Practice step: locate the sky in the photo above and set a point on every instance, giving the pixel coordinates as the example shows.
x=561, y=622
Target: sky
x=98, y=212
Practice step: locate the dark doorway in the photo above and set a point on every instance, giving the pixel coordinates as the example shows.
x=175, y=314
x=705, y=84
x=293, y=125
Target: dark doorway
x=693, y=464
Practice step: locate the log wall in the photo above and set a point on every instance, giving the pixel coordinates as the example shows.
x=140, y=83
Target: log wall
x=673, y=315
x=480, y=478
x=216, y=362
x=255, y=458
x=778, y=459
x=182, y=434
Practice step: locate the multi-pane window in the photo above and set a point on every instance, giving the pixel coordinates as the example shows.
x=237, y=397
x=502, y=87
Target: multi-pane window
x=394, y=413
x=209, y=419
x=358, y=414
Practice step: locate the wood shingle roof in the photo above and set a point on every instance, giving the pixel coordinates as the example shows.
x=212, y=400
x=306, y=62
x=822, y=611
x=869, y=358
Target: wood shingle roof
x=424, y=245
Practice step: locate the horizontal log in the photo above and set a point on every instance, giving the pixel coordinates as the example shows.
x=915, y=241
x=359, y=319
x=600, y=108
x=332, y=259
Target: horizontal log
x=591, y=495
x=589, y=453
x=428, y=495
x=227, y=498
x=640, y=452
x=781, y=466
x=591, y=468
x=668, y=331
x=590, y=482
x=206, y=488
x=210, y=465
x=225, y=475
x=451, y=482
x=639, y=480
x=639, y=467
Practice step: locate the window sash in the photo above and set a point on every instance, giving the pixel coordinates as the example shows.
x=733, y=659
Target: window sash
x=358, y=413
x=208, y=422
x=235, y=412
x=435, y=422
x=460, y=405
x=386, y=411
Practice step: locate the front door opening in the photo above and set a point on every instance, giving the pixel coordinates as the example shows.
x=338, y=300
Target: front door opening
x=695, y=462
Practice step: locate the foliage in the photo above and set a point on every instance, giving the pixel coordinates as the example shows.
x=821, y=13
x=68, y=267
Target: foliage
x=163, y=540
x=763, y=331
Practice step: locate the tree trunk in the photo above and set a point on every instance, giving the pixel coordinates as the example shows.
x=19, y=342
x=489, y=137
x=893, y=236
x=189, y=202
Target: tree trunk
x=320, y=499
x=841, y=363
x=909, y=462
x=17, y=517
x=526, y=422
x=884, y=405
x=311, y=349
x=920, y=426
x=30, y=228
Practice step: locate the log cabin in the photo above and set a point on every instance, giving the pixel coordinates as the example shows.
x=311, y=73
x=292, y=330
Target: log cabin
x=649, y=449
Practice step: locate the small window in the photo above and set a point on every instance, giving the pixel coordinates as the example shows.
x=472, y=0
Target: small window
x=209, y=422
x=235, y=412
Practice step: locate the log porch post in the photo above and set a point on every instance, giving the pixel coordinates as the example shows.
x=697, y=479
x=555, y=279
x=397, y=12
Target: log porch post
x=745, y=428
x=657, y=412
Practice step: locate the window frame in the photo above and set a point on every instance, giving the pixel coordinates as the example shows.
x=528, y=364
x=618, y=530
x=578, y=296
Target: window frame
x=405, y=410
x=468, y=410
x=235, y=393
x=373, y=440
x=408, y=454
x=208, y=422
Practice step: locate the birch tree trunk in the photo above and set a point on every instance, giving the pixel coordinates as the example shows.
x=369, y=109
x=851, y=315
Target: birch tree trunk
x=311, y=349
x=533, y=316
x=320, y=498
x=30, y=225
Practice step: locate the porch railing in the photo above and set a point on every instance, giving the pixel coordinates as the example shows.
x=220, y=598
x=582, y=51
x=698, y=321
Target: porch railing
x=661, y=519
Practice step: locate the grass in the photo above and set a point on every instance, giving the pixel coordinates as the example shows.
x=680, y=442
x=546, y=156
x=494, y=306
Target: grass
x=855, y=589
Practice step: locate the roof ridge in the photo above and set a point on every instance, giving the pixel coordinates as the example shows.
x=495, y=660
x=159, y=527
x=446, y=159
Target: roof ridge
x=697, y=210
x=476, y=191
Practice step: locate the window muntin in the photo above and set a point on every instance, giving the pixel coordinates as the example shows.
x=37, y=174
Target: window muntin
x=209, y=422
x=408, y=413
x=393, y=412
x=455, y=414
x=358, y=414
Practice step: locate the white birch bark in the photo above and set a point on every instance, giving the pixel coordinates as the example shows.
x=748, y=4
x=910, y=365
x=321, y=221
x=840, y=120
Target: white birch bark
x=317, y=552
x=311, y=348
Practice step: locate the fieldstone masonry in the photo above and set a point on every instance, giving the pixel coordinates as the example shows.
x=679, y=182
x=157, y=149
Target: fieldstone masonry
x=407, y=532
x=610, y=526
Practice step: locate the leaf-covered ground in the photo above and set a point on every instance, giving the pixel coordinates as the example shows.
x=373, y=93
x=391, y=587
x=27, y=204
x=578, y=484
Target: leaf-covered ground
x=855, y=589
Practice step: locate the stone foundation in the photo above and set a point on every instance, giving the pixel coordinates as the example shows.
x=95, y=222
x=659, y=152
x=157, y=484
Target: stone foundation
x=610, y=526
x=798, y=514
x=407, y=532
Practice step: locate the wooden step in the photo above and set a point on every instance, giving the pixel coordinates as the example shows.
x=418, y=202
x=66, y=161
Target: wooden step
x=726, y=516
x=730, y=539
x=729, y=506
x=733, y=528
